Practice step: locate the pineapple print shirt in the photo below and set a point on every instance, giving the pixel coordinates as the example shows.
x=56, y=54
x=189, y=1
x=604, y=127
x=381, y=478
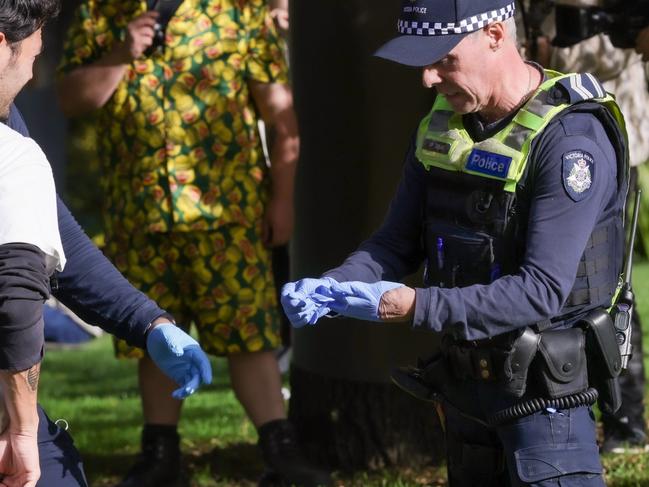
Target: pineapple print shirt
x=178, y=140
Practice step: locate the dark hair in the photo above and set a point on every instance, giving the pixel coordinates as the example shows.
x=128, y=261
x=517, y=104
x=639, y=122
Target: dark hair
x=21, y=18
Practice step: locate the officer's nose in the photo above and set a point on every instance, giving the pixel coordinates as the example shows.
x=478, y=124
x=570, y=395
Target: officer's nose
x=430, y=76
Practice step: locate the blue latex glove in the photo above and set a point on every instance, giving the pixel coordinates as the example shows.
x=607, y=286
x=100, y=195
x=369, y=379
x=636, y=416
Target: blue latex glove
x=180, y=357
x=305, y=301
x=359, y=300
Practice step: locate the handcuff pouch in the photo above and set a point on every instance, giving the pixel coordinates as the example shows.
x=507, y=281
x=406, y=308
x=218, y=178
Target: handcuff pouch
x=604, y=361
x=561, y=364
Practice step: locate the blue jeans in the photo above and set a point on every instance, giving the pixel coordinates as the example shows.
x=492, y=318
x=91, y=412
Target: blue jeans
x=60, y=461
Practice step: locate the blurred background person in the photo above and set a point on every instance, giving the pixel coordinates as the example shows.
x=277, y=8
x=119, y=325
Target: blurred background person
x=191, y=208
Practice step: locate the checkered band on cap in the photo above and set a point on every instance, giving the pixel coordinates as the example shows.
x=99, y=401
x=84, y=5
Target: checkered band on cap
x=470, y=24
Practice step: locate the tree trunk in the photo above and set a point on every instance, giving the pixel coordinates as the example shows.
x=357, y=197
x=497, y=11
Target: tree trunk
x=357, y=115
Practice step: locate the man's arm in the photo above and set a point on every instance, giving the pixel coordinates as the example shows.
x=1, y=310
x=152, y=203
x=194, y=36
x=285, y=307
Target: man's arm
x=19, y=460
x=275, y=103
x=96, y=291
x=89, y=87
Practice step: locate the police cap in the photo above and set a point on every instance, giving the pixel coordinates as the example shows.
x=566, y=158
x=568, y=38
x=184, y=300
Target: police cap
x=430, y=29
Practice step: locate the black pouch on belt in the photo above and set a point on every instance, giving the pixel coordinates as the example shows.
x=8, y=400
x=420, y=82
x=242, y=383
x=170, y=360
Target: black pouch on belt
x=560, y=367
x=604, y=361
x=518, y=360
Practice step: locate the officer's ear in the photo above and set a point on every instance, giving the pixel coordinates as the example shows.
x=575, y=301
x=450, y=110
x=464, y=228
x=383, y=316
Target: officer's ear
x=496, y=33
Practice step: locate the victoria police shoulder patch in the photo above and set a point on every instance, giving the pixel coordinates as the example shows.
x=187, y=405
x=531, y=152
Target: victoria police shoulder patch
x=578, y=173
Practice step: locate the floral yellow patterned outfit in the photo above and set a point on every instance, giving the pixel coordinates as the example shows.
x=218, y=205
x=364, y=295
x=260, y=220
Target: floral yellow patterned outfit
x=184, y=174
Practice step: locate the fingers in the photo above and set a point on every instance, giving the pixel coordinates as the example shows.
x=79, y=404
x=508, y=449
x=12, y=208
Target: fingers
x=189, y=387
x=149, y=19
x=202, y=363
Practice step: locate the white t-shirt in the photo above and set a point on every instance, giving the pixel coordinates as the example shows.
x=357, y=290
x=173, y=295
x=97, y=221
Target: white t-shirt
x=28, y=197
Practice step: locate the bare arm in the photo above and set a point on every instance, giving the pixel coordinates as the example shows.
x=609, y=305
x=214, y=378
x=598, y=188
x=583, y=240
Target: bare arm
x=275, y=103
x=19, y=462
x=89, y=87
x=20, y=392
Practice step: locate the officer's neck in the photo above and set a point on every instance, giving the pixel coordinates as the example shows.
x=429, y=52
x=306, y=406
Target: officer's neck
x=515, y=90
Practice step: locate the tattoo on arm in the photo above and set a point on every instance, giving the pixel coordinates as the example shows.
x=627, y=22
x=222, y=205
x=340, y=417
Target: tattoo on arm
x=32, y=377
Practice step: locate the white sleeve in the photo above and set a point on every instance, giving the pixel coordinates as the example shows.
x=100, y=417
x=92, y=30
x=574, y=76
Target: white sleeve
x=28, y=197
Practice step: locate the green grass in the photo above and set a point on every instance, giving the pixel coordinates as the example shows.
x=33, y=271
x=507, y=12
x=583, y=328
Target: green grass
x=98, y=397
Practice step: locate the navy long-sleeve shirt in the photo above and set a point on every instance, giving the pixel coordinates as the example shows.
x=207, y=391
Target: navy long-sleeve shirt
x=90, y=285
x=558, y=229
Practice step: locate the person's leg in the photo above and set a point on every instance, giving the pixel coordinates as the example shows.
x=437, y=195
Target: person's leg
x=237, y=316
x=257, y=384
x=153, y=271
x=474, y=456
x=60, y=461
x=553, y=448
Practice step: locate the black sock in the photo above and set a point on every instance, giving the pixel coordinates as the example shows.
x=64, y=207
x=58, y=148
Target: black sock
x=152, y=430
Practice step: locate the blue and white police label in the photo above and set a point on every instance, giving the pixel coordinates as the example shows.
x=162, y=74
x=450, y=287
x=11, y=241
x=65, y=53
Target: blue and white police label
x=578, y=173
x=488, y=163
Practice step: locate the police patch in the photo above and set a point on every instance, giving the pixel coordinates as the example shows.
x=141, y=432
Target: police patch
x=488, y=163
x=578, y=173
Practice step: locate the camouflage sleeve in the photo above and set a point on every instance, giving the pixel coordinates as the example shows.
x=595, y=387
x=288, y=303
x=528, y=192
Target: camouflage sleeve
x=595, y=55
x=265, y=61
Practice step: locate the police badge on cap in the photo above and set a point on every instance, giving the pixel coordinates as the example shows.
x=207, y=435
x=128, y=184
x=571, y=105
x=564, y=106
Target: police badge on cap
x=578, y=173
x=430, y=29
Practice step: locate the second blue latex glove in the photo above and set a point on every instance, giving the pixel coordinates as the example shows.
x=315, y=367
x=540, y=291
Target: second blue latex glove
x=304, y=302
x=359, y=300
x=180, y=357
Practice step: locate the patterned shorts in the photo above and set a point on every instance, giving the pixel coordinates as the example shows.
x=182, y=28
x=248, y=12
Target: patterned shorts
x=220, y=280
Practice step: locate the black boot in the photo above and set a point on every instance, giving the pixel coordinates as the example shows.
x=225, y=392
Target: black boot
x=158, y=465
x=286, y=464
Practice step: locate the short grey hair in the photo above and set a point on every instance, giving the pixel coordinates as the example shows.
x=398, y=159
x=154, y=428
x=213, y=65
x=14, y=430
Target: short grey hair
x=510, y=29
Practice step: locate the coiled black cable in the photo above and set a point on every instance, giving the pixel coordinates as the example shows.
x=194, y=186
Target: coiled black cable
x=531, y=406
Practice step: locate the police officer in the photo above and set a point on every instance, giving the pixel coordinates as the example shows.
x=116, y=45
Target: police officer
x=513, y=193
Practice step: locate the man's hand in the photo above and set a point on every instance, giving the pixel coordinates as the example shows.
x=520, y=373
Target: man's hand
x=397, y=305
x=180, y=357
x=305, y=301
x=19, y=465
x=278, y=221
x=361, y=300
x=139, y=37
x=642, y=43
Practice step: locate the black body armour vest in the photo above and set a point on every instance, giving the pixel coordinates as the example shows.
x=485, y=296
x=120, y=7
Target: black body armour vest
x=475, y=230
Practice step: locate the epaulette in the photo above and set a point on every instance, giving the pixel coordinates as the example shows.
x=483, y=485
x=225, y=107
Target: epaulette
x=580, y=87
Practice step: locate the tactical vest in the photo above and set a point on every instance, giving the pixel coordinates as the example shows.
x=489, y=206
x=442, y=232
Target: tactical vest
x=476, y=208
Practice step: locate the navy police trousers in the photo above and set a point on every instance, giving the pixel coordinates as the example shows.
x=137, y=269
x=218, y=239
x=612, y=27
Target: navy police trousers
x=548, y=448
x=60, y=461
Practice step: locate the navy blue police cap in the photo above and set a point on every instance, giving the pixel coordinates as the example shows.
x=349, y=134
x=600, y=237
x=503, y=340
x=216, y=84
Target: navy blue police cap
x=430, y=29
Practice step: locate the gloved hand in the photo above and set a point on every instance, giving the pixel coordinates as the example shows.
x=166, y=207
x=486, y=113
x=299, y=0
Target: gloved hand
x=304, y=302
x=359, y=300
x=180, y=357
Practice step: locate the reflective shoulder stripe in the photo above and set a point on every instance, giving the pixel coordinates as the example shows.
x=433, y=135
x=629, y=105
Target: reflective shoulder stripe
x=529, y=120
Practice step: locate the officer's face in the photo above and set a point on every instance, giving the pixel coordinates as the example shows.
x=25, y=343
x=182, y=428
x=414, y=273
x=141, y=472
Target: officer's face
x=16, y=67
x=460, y=75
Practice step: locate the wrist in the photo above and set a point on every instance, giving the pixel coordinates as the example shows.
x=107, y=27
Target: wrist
x=163, y=319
